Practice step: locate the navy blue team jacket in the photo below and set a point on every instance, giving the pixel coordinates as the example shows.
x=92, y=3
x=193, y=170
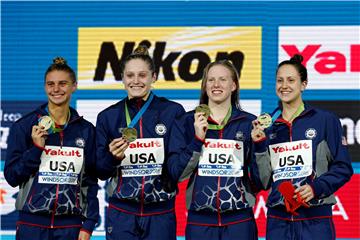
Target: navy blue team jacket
x=52, y=205
x=211, y=200
x=142, y=195
x=331, y=164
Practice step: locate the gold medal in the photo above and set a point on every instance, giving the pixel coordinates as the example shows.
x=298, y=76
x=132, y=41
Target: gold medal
x=46, y=122
x=130, y=134
x=265, y=120
x=204, y=109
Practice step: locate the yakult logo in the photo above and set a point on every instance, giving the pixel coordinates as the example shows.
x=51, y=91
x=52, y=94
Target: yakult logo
x=327, y=62
x=331, y=54
x=60, y=152
x=299, y=146
x=151, y=144
x=209, y=144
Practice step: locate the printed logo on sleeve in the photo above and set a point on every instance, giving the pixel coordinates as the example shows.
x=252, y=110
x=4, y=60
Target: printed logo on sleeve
x=144, y=157
x=60, y=165
x=291, y=159
x=221, y=157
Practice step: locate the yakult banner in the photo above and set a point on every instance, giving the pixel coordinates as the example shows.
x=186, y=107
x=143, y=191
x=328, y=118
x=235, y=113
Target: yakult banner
x=180, y=54
x=331, y=54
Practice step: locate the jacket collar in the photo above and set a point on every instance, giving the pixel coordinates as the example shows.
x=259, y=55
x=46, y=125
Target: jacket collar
x=308, y=109
x=135, y=102
x=41, y=111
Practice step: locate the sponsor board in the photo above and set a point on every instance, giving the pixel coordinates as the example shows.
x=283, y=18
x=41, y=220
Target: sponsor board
x=89, y=109
x=180, y=54
x=349, y=114
x=10, y=112
x=330, y=65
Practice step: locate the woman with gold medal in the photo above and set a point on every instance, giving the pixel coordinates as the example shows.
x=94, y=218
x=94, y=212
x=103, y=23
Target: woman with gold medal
x=132, y=140
x=302, y=157
x=211, y=147
x=51, y=158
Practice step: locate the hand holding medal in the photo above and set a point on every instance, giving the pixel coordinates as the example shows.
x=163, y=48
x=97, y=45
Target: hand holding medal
x=130, y=134
x=46, y=123
x=262, y=122
x=118, y=146
x=202, y=112
x=203, y=108
x=39, y=132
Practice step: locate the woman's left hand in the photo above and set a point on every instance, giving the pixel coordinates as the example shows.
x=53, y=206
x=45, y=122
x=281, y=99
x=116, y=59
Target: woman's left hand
x=306, y=192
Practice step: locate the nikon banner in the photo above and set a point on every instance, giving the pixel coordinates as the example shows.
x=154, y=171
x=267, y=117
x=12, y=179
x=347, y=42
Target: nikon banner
x=180, y=54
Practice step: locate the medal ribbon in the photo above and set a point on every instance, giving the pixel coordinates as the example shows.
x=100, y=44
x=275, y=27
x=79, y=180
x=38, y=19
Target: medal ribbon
x=55, y=127
x=226, y=119
x=131, y=123
x=298, y=111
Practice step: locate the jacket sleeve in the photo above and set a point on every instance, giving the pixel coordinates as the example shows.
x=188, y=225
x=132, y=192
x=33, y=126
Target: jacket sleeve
x=106, y=164
x=179, y=113
x=261, y=172
x=89, y=186
x=23, y=157
x=184, y=150
x=340, y=169
x=169, y=184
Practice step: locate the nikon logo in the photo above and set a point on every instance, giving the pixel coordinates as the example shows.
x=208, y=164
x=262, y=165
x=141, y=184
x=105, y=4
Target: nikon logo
x=180, y=54
x=164, y=62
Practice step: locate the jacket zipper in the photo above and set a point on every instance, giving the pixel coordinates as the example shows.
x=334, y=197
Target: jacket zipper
x=143, y=178
x=218, y=187
x=289, y=125
x=55, y=206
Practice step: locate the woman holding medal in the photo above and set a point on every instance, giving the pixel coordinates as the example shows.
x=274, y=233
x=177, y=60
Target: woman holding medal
x=132, y=140
x=50, y=156
x=302, y=157
x=211, y=147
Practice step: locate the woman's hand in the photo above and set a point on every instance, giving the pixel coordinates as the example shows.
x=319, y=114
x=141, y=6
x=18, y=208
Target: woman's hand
x=117, y=148
x=38, y=135
x=84, y=235
x=306, y=192
x=257, y=132
x=200, y=125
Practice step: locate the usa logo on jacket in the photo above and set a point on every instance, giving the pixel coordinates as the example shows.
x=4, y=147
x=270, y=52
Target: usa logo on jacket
x=80, y=142
x=160, y=129
x=310, y=133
